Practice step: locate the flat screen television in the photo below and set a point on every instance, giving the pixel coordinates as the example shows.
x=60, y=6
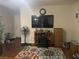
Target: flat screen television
x=44, y=21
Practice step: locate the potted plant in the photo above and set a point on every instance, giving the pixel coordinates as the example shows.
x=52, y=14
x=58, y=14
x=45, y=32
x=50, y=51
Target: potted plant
x=25, y=31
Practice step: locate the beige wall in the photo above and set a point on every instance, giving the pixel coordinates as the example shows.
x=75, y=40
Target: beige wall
x=75, y=32
x=7, y=20
x=62, y=18
x=26, y=20
x=17, y=28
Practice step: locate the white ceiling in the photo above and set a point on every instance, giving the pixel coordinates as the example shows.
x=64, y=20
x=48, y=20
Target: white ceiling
x=51, y=2
x=16, y=4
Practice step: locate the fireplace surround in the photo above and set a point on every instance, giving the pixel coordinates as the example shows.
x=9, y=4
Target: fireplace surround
x=54, y=38
x=42, y=40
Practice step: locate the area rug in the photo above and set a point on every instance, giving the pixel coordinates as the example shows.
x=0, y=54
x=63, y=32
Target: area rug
x=31, y=52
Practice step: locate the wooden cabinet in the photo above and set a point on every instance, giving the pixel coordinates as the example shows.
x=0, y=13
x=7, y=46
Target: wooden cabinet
x=58, y=37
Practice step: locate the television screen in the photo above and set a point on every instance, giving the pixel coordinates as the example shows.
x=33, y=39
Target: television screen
x=45, y=21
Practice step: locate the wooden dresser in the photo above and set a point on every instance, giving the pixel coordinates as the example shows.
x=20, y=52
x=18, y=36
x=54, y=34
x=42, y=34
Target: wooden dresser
x=58, y=37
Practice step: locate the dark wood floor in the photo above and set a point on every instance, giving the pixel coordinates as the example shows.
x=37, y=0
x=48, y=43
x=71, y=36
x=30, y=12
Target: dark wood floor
x=12, y=51
x=67, y=53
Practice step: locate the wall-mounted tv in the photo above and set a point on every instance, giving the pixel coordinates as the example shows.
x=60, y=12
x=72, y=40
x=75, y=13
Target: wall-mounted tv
x=44, y=21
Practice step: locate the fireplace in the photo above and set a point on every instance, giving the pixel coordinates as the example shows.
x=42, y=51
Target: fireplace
x=42, y=40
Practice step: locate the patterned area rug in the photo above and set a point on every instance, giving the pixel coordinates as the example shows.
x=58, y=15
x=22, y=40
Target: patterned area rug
x=40, y=53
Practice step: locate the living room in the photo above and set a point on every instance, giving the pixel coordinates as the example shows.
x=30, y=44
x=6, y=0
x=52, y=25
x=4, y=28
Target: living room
x=66, y=16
